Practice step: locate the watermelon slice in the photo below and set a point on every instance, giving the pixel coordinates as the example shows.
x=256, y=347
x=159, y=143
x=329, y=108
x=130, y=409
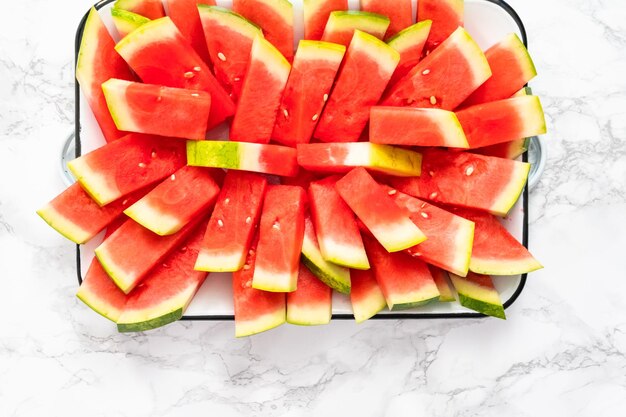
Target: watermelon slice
x=184, y=14
x=157, y=110
x=126, y=165
x=77, y=217
x=443, y=285
x=509, y=150
x=511, y=67
x=399, y=12
x=405, y=281
x=435, y=83
x=132, y=250
x=311, y=303
x=446, y=15
x=366, y=296
x=337, y=231
x=255, y=310
x=450, y=237
x=281, y=231
x=314, y=68
x=468, y=180
x=160, y=55
x=256, y=157
x=233, y=222
x=316, y=13
x=185, y=195
x=477, y=293
x=409, y=43
x=409, y=126
x=97, y=62
x=335, y=276
x=389, y=223
x=502, y=121
x=262, y=90
x=229, y=38
x=163, y=296
x=275, y=17
x=341, y=26
x=152, y=9
x=367, y=68
x=342, y=157
x=495, y=250
x=125, y=21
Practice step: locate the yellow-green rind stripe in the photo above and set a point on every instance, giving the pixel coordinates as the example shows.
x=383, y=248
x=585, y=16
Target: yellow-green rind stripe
x=93, y=301
x=311, y=315
x=233, y=20
x=410, y=36
x=259, y=324
x=367, y=307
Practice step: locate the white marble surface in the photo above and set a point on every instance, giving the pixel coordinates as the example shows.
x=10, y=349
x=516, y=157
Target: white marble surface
x=560, y=353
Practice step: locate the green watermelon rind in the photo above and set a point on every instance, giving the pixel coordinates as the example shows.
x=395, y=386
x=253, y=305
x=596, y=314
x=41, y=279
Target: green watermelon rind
x=320, y=269
x=235, y=21
x=505, y=267
x=477, y=297
x=344, y=19
x=127, y=20
x=218, y=154
x=413, y=304
x=509, y=194
x=151, y=323
x=482, y=307
x=406, y=38
x=109, y=267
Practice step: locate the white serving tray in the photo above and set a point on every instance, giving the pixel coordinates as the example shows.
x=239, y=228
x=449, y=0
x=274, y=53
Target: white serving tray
x=486, y=20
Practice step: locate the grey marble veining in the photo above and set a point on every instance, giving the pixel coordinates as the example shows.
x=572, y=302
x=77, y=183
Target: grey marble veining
x=560, y=353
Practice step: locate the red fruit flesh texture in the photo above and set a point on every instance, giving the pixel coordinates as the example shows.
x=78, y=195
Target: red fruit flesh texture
x=128, y=164
x=236, y=49
x=240, y=198
x=279, y=160
x=309, y=83
x=281, y=229
x=315, y=23
x=399, y=12
x=275, y=29
x=171, y=61
x=107, y=64
x=251, y=303
x=311, y=291
x=409, y=58
x=440, y=278
x=450, y=184
x=332, y=217
x=167, y=111
x=360, y=84
x=152, y=9
x=404, y=126
x=362, y=283
x=167, y=279
x=445, y=17
x=509, y=150
x=184, y=14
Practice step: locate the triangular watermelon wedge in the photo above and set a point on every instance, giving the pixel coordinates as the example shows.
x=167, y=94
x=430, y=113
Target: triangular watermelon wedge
x=366, y=296
x=184, y=14
x=478, y=293
x=311, y=303
x=446, y=16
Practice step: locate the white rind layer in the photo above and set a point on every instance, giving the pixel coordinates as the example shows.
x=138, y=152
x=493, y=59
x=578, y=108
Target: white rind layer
x=273, y=281
x=309, y=315
x=120, y=277
x=153, y=219
x=92, y=181
x=351, y=256
x=510, y=193
x=219, y=261
x=398, y=236
x=384, y=55
x=260, y=324
x=369, y=306
x=64, y=226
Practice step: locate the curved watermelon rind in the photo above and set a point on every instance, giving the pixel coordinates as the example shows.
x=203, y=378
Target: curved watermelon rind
x=504, y=266
x=369, y=306
x=93, y=183
x=153, y=219
x=117, y=276
x=309, y=315
x=512, y=191
x=125, y=21
x=64, y=226
x=234, y=20
x=150, y=323
x=413, y=304
x=483, y=307
x=260, y=324
x=97, y=304
x=374, y=23
x=408, y=37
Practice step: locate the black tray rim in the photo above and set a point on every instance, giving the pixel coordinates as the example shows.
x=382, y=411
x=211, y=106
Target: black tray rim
x=388, y=316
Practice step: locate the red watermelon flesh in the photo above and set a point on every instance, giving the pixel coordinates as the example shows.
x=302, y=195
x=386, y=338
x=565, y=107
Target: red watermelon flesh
x=163, y=296
x=159, y=54
x=97, y=62
x=157, y=110
x=446, y=15
x=435, y=83
x=152, y=9
x=255, y=310
x=262, y=90
x=511, y=67
x=311, y=303
x=78, y=217
x=510, y=150
x=229, y=38
x=502, y=121
x=468, y=180
x=314, y=69
x=405, y=281
x=316, y=14
x=399, y=12
x=366, y=297
x=443, y=285
x=450, y=237
x=389, y=223
x=233, y=222
x=186, y=194
x=275, y=17
x=337, y=231
x=495, y=251
x=184, y=14
x=410, y=44
x=281, y=231
x=368, y=66
x=127, y=165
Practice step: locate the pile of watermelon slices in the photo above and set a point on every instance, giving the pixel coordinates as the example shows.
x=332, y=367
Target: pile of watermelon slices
x=373, y=160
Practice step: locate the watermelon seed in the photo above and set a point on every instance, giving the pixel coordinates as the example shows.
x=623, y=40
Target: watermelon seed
x=197, y=69
x=226, y=201
x=286, y=113
x=183, y=249
x=315, y=116
x=189, y=74
x=469, y=170
x=251, y=252
x=165, y=265
x=220, y=223
x=432, y=195
x=392, y=192
x=141, y=165
x=426, y=72
x=248, y=220
x=325, y=97
x=409, y=101
x=195, y=95
x=431, y=173
x=173, y=177
x=433, y=100
x=245, y=268
x=416, y=254
x=424, y=215
x=237, y=79
x=221, y=56
x=159, y=98
x=276, y=226
x=124, y=202
x=153, y=154
x=423, y=205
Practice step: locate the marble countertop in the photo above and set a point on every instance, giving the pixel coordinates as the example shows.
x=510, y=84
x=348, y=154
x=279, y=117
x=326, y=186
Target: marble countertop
x=560, y=353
